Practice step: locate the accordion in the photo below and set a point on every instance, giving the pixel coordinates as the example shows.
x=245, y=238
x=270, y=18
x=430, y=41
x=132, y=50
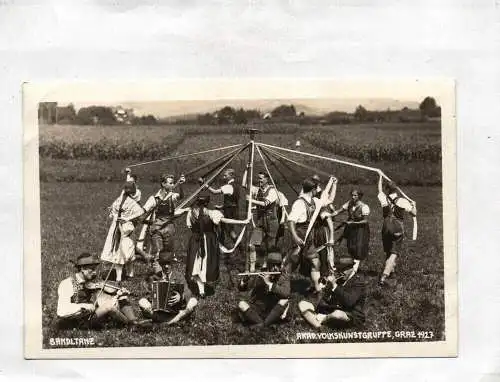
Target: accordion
x=162, y=292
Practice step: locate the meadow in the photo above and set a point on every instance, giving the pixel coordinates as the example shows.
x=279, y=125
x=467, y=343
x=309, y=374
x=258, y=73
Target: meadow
x=78, y=184
x=73, y=219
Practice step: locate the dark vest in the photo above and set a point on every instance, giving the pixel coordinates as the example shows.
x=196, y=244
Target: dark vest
x=233, y=199
x=355, y=214
x=202, y=224
x=81, y=295
x=164, y=208
x=269, y=210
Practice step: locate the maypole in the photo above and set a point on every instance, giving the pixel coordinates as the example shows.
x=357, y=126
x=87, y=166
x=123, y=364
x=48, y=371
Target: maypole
x=249, y=183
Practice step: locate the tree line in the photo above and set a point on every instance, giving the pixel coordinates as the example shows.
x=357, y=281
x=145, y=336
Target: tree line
x=50, y=113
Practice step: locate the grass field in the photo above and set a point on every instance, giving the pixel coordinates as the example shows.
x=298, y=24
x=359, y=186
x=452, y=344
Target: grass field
x=77, y=188
x=74, y=220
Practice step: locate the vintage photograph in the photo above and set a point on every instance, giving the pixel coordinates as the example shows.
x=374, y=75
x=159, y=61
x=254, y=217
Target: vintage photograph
x=314, y=217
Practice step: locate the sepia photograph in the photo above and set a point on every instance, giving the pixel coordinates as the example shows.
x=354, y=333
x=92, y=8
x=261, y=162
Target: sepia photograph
x=240, y=219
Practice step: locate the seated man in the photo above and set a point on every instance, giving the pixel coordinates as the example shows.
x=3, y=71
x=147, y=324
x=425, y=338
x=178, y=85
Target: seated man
x=178, y=306
x=341, y=301
x=269, y=295
x=77, y=293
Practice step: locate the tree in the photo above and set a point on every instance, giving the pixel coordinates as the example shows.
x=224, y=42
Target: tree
x=428, y=107
x=360, y=114
x=240, y=117
x=205, y=119
x=96, y=115
x=226, y=115
x=284, y=111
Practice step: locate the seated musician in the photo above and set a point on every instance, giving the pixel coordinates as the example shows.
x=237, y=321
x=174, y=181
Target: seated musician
x=177, y=306
x=269, y=295
x=84, y=301
x=341, y=301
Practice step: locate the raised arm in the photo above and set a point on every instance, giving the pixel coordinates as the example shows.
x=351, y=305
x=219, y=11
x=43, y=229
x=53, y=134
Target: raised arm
x=244, y=177
x=333, y=192
x=380, y=180
x=234, y=221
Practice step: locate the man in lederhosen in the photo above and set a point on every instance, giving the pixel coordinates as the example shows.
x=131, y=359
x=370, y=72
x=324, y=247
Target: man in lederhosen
x=83, y=302
x=265, y=198
x=341, y=301
x=299, y=219
x=394, y=209
x=180, y=305
x=163, y=205
x=268, y=299
x=231, y=197
x=324, y=229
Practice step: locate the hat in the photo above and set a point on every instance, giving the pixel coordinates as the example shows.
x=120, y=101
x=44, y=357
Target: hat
x=86, y=259
x=343, y=263
x=274, y=258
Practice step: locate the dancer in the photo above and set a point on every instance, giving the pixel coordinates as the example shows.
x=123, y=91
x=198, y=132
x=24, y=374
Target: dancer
x=357, y=228
x=265, y=198
x=299, y=219
x=162, y=206
x=394, y=208
x=203, y=252
x=119, y=247
x=231, y=196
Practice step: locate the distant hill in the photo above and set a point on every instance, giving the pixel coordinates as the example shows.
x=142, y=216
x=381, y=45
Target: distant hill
x=168, y=110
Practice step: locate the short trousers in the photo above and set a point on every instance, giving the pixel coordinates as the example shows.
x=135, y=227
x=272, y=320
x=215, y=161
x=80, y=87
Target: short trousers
x=261, y=234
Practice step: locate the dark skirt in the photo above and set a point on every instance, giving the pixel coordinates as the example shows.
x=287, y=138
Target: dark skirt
x=195, y=244
x=358, y=240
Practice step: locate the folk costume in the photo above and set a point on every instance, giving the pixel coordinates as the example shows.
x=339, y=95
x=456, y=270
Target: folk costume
x=230, y=206
x=266, y=222
x=119, y=247
x=307, y=256
x=179, y=305
x=267, y=302
x=82, y=302
x=162, y=206
x=301, y=213
x=282, y=214
x=357, y=235
x=394, y=209
x=203, y=252
x=340, y=304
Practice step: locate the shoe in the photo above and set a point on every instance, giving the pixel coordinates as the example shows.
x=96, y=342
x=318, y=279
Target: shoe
x=382, y=281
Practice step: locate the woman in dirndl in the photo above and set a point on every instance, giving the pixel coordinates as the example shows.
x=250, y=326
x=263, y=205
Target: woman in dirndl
x=203, y=251
x=119, y=247
x=357, y=228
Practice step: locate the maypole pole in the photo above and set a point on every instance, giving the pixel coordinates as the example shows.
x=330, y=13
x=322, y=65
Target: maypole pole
x=249, y=181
